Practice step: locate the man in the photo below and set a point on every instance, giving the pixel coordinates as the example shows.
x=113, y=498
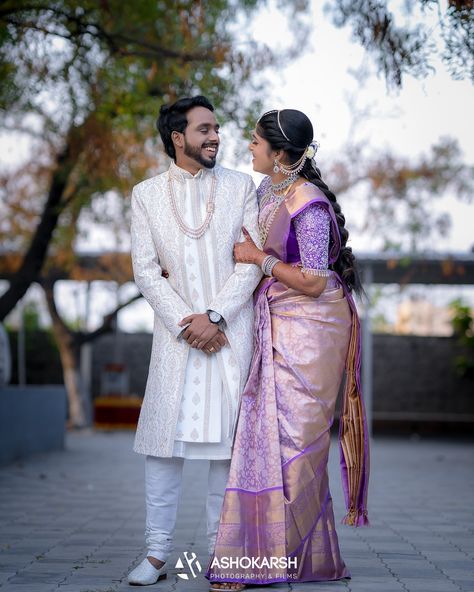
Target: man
x=186, y=221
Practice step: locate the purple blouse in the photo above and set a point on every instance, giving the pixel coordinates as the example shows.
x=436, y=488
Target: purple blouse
x=309, y=237
x=312, y=227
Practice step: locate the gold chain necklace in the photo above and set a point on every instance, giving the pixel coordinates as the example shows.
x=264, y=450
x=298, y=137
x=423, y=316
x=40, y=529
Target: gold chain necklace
x=187, y=230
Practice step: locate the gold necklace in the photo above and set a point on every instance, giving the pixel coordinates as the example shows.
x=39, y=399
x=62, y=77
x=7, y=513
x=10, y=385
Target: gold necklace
x=187, y=230
x=264, y=228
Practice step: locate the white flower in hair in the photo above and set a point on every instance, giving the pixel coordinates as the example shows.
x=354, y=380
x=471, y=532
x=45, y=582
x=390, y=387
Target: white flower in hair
x=312, y=149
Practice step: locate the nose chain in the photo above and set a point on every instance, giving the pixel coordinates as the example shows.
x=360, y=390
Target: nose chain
x=210, y=205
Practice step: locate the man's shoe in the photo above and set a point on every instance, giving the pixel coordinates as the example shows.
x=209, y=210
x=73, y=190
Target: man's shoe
x=146, y=574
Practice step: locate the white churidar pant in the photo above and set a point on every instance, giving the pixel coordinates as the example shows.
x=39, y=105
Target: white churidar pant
x=163, y=477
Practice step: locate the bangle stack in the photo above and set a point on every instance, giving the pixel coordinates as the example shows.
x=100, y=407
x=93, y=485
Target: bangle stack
x=268, y=264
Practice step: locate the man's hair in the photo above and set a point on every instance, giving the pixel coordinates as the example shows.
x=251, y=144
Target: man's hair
x=173, y=118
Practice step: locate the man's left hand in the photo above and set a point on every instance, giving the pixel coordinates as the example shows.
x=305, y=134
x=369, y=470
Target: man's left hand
x=199, y=330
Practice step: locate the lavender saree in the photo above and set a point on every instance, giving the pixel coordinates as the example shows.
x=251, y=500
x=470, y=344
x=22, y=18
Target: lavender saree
x=277, y=521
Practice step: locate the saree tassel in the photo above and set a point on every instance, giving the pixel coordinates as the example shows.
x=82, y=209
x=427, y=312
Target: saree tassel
x=356, y=518
x=353, y=433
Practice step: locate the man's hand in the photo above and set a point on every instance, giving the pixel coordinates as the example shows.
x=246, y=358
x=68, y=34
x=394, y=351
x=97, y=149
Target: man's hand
x=199, y=331
x=216, y=343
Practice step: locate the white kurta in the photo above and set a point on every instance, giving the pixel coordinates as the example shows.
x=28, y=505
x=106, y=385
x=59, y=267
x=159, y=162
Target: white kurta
x=211, y=387
x=159, y=244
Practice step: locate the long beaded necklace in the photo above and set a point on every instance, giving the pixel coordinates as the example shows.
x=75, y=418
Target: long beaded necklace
x=265, y=226
x=188, y=231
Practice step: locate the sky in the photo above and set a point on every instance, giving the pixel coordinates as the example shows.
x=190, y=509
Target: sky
x=318, y=82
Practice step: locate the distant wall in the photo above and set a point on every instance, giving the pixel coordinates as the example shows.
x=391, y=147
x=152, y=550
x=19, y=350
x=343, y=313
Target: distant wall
x=134, y=349
x=417, y=375
x=32, y=420
x=413, y=376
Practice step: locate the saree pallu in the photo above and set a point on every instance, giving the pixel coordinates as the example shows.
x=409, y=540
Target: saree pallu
x=277, y=521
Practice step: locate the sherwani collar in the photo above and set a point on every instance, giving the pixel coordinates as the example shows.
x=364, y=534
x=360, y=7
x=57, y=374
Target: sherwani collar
x=181, y=175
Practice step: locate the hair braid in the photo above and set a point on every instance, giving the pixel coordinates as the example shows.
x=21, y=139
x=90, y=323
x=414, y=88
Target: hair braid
x=345, y=265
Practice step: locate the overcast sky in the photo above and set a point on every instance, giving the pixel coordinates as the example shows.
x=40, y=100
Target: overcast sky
x=409, y=122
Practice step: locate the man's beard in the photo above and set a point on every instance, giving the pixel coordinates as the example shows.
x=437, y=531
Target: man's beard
x=195, y=153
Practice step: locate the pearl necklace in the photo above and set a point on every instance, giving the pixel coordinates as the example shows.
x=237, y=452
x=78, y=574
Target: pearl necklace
x=193, y=232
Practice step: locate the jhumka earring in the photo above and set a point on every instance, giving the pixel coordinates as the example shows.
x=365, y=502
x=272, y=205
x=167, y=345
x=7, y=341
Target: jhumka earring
x=276, y=166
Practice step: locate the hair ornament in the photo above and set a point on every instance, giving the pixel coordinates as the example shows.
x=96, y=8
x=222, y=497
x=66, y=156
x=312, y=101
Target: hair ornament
x=312, y=149
x=281, y=129
x=277, y=111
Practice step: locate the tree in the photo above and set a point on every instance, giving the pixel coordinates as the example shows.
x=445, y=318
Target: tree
x=410, y=49
x=84, y=78
x=70, y=343
x=395, y=195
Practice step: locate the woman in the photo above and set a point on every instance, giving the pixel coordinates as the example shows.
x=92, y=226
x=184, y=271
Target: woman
x=277, y=521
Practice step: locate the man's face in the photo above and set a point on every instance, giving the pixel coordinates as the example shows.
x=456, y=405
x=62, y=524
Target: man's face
x=201, y=137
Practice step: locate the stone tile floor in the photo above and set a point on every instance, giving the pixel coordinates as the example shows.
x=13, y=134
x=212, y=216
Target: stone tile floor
x=73, y=521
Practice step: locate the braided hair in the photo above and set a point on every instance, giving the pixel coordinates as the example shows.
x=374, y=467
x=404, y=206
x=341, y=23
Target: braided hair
x=291, y=131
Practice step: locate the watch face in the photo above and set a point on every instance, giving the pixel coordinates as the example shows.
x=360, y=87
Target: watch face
x=214, y=317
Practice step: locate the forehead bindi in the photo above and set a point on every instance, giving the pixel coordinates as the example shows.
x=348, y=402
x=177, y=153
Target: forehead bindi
x=200, y=116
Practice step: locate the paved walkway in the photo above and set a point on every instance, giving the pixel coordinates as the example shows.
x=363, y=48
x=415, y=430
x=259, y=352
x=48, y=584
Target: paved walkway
x=73, y=521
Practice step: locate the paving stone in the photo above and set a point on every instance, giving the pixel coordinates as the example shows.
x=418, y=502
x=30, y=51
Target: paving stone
x=94, y=588
x=77, y=518
x=5, y=576
x=428, y=585
x=30, y=587
x=391, y=586
x=466, y=585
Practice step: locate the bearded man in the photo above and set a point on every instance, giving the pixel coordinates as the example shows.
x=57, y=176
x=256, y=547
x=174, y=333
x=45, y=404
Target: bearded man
x=186, y=221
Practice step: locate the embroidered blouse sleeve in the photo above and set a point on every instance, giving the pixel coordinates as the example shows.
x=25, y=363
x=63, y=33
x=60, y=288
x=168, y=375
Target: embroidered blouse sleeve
x=312, y=228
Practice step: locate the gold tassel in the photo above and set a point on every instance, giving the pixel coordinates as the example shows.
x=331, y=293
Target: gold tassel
x=352, y=434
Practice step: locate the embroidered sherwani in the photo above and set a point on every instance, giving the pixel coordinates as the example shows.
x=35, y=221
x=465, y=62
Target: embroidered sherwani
x=191, y=400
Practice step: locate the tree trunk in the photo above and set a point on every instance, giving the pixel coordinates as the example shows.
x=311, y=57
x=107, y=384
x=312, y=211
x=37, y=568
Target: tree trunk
x=70, y=360
x=37, y=251
x=69, y=344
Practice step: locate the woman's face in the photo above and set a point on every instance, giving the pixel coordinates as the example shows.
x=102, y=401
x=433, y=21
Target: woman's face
x=262, y=154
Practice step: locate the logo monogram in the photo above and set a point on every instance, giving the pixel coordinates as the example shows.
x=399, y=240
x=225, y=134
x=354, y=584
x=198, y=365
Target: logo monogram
x=190, y=558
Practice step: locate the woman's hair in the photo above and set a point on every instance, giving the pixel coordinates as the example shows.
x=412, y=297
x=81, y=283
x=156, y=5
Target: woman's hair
x=172, y=118
x=291, y=130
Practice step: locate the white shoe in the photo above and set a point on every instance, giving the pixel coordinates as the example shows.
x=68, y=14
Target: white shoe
x=146, y=574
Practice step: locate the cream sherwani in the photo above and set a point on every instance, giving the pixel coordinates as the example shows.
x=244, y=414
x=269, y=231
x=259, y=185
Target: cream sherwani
x=191, y=399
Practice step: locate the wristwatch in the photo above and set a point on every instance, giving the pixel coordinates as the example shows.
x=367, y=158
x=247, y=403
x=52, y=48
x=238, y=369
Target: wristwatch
x=215, y=317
